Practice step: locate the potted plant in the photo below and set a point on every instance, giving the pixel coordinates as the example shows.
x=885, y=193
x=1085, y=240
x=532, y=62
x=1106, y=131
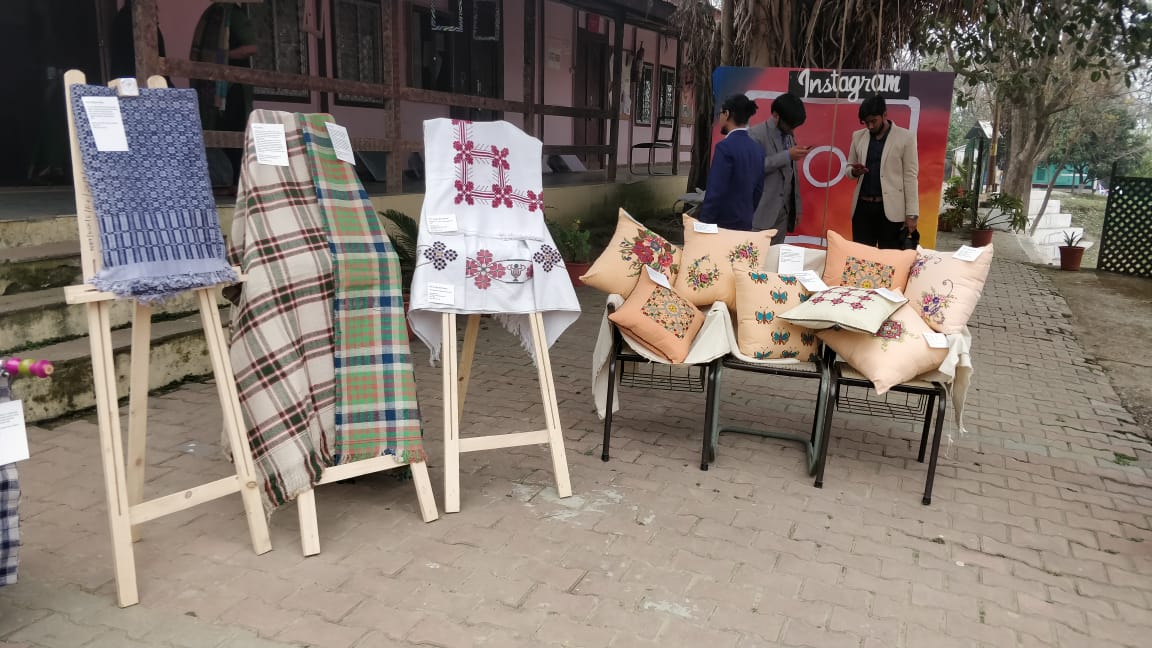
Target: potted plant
x=1071, y=253
x=404, y=231
x=575, y=245
x=958, y=203
x=982, y=230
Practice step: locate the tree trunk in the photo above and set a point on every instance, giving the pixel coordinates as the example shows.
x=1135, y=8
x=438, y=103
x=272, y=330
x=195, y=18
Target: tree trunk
x=1047, y=195
x=1029, y=146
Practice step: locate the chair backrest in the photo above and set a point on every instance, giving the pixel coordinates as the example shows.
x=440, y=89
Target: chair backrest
x=665, y=128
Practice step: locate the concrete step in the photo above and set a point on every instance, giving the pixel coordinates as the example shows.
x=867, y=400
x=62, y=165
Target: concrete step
x=1052, y=220
x=39, y=267
x=33, y=319
x=1055, y=235
x=26, y=232
x=178, y=353
x=1053, y=206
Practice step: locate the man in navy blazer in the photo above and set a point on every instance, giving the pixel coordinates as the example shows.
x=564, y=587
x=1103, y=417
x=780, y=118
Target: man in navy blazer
x=736, y=179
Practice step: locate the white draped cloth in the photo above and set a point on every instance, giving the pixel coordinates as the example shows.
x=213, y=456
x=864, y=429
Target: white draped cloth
x=483, y=245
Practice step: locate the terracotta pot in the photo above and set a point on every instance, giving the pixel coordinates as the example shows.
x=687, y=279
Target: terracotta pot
x=944, y=226
x=1070, y=257
x=576, y=270
x=980, y=238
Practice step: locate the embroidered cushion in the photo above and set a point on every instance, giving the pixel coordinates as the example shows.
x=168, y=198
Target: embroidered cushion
x=946, y=289
x=863, y=266
x=896, y=353
x=660, y=318
x=760, y=297
x=852, y=309
x=633, y=246
x=706, y=274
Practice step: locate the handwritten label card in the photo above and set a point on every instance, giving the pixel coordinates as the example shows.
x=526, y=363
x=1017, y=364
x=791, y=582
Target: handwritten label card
x=439, y=293
x=811, y=281
x=658, y=278
x=127, y=87
x=791, y=260
x=271, y=147
x=891, y=296
x=106, y=122
x=936, y=340
x=968, y=253
x=13, y=434
x=442, y=223
x=706, y=228
x=341, y=143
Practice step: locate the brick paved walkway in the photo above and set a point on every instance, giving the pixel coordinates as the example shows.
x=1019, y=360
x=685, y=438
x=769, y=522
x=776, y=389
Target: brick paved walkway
x=1040, y=533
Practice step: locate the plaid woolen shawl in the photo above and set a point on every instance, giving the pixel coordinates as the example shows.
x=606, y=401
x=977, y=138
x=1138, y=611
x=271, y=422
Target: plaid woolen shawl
x=376, y=408
x=9, y=509
x=282, y=336
x=159, y=230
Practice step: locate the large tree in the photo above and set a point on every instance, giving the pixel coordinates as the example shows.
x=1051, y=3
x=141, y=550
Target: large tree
x=1042, y=59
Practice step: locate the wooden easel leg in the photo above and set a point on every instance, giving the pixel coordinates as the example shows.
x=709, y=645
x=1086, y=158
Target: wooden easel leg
x=471, y=333
x=551, y=407
x=309, y=529
x=111, y=453
x=234, y=421
x=138, y=405
x=424, y=493
x=450, y=370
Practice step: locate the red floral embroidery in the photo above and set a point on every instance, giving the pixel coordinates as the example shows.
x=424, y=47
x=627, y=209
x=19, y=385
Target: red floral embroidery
x=500, y=193
x=482, y=269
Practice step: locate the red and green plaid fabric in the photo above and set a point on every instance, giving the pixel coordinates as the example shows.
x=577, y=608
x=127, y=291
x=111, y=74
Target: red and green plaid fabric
x=376, y=407
x=282, y=334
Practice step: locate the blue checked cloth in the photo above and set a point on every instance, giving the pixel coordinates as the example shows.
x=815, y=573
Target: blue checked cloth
x=159, y=230
x=9, y=510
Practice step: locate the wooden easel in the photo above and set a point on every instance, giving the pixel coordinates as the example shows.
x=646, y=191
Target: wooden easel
x=456, y=388
x=124, y=484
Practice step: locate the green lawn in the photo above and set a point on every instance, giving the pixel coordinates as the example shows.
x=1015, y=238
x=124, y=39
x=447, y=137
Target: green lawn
x=1088, y=212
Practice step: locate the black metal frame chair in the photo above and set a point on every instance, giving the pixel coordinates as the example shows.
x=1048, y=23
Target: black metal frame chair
x=933, y=396
x=815, y=444
x=653, y=146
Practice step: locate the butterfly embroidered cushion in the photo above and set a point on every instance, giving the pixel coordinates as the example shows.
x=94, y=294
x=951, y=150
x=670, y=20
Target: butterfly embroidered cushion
x=946, y=289
x=853, y=309
x=706, y=273
x=863, y=266
x=660, y=318
x=895, y=354
x=760, y=334
x=633, y=247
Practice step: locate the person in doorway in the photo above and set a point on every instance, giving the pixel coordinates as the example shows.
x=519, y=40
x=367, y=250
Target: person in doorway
x=779, y=208
x=884, y=162
x=123, y=51
x=224, y=36
x=736, y=178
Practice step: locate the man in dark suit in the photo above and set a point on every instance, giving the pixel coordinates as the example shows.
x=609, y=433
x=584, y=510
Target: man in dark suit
x=780, y=209
x=736, y=179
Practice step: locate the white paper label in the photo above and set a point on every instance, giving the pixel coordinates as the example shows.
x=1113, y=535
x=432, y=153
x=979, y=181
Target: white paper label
x=811, y=281
x=936, y=340
x=441, y=223
x=439, y=293
x=658, y=277
x=271, y=147
x=968, y=253
x=106, y=122
x=341, y=143
x=13, y=435
x=791, y=260
x=127, y=87
x=891, y=296
x=705, y=228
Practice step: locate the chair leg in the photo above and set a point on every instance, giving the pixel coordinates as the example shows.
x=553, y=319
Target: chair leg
x=829, y=407
x=609, y=401
x=927, y=427
x=709, y=415
x=940, y=409
x=819, y=417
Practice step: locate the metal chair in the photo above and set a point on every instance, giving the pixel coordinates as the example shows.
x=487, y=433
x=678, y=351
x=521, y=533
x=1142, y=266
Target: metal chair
x=662, y=143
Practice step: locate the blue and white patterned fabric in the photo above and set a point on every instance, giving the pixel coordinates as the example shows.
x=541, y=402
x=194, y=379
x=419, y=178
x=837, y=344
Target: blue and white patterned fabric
x=159, y=230
x=9, y=509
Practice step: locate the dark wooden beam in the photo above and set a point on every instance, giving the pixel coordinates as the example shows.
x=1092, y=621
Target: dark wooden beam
x=614, y=101
x=393, y=34
x=530, y=67
x=145, y=37
x=565, y=111
x=577, y=149
x=464, y=101
x=676, y=110
x=268, y=78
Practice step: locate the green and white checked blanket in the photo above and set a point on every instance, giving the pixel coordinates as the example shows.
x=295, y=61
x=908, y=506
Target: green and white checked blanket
x=282, y=333
x=376, y=407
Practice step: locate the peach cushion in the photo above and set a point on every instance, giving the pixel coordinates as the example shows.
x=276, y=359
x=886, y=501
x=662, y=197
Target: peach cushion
x=706, y=275
x=863, y=266
x=896, y=354
x=760, y=297
x=633, y=246
x=853, y=309
x=660, y=318
x=946, y=289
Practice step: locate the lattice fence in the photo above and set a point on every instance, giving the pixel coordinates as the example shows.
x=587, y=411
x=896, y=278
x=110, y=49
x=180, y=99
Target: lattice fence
x=1126, y=242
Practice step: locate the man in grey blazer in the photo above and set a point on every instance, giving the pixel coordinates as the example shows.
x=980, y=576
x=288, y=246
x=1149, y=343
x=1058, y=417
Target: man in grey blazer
x=779, y=207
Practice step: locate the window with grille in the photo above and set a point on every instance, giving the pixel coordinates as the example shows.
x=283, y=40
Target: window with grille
x=644, y=96
x=667, y=96
x=358, y=41
x=281, y=45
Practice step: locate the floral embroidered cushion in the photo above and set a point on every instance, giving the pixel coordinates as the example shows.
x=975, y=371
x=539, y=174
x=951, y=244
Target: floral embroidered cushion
x=706, y=275
x=632, y=248
x=660, y=318
x=863, y=266
x=895, y=354
x=852, y=309
x=947, y=289
x=760, y=296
